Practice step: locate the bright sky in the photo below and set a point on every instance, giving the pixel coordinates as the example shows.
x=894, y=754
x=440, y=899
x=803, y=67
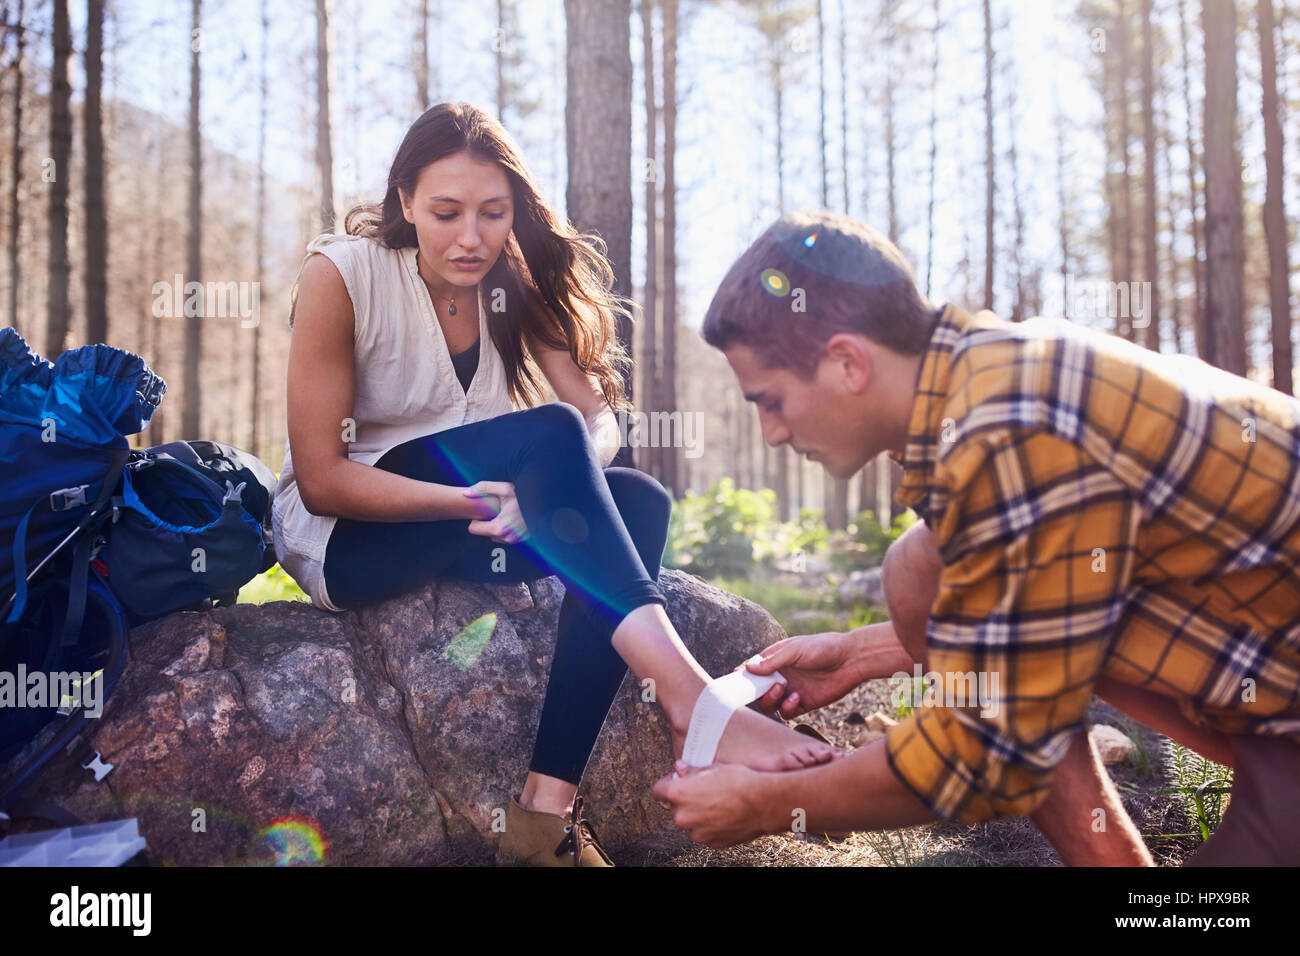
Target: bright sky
x=727, y=183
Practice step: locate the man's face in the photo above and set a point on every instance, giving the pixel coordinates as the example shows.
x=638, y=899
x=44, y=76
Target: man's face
x=821, y=418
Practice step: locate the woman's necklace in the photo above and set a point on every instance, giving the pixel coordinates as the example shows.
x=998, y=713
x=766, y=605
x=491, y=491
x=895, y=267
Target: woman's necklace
x=451, y=307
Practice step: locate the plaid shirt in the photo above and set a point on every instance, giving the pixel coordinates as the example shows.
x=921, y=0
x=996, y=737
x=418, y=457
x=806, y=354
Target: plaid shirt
x=1100, y=508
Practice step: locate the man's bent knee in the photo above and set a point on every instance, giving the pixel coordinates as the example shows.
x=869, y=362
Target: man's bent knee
x=910, y=573
x=910, y=578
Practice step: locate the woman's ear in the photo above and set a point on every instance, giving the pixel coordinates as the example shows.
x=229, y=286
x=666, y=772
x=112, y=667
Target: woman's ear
x=407, y=213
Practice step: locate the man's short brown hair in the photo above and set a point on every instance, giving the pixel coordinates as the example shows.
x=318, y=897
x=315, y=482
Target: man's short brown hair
x=846, y=276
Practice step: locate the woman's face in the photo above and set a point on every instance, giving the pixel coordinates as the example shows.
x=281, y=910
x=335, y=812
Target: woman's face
x=462, y=211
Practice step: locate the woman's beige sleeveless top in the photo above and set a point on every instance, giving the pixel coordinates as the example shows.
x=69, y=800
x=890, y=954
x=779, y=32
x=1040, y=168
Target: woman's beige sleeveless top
x=405, y=387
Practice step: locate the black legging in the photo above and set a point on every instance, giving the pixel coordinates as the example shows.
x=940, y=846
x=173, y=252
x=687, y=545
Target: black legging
x=602, y=532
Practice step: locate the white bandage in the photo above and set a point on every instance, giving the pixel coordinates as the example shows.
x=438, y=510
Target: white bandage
x=714, y=707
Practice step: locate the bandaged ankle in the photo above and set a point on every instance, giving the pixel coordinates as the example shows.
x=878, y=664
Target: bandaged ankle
x=714, y=707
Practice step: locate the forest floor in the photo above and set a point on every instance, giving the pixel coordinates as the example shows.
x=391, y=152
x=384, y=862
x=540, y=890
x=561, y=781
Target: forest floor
x=1156, y=783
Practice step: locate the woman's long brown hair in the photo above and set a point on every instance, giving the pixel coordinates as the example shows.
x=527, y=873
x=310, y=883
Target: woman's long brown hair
x=547, y=269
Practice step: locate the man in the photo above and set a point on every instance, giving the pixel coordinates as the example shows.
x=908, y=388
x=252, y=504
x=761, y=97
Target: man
x=1096, y=518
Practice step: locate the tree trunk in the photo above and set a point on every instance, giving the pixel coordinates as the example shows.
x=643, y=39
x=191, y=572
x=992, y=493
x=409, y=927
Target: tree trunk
x=1279, y=274
x=59, y=173
x=837, y=504
x=1193, y=193
x=1123, y=325
x=422, y=58
x=500, y=47
x=194, y=247
x=598, y=133
x=1173, y=271
x=1017, y=204
x=260, y=226
x=96, y=277
x=1151, y=257
x=1224, y=244
x=16, y=173
x=324, y=147
x=891, y=178
x=1063, y=221
x=650, y=374
x=934, y=150
x=989, y=174
x=673, y=459
x=779, y=459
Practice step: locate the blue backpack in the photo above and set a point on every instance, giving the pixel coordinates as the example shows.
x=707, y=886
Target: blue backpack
x=97, y=537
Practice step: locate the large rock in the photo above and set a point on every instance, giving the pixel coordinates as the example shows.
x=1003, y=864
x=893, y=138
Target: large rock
x=238, y=731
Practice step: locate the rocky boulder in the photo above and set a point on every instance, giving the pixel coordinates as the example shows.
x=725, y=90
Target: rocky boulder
x=394, y=735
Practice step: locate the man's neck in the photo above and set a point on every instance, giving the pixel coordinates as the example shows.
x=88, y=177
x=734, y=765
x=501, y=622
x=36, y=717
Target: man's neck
x=896, y=395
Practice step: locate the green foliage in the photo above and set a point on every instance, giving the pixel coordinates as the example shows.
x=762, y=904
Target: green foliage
x=807, y=535
x=273, y=585
x=866, y=541
x=714, y=534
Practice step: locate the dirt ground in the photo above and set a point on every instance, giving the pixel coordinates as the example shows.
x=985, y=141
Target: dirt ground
x=1162, y=818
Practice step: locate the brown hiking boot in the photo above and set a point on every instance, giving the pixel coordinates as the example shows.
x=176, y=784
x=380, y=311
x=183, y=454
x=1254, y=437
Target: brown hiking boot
x=534, y=838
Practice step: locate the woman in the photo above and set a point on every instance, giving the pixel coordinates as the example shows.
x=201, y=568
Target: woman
x=419, y=449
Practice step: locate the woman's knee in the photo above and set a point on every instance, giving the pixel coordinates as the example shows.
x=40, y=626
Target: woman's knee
x=636, y=493
x=556, y=421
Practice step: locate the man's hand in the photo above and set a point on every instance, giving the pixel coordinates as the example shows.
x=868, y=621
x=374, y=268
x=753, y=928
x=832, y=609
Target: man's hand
x=818, y=667
x=720, y=805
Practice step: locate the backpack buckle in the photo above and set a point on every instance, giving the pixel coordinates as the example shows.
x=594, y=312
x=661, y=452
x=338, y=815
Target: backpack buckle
x=66, y=498
x=95, y=764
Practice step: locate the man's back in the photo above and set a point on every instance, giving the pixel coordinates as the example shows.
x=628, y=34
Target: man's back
x=1100, y=508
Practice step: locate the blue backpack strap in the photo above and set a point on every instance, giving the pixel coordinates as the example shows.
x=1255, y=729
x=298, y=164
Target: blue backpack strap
x=20, y=567
x=76, y=594
x=58, y=501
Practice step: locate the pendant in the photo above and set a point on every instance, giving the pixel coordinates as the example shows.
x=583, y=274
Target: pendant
x=451, y=309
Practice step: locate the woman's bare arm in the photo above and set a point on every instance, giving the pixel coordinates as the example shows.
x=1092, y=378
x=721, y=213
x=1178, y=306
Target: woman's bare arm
x=321, y=384
x=582, y=392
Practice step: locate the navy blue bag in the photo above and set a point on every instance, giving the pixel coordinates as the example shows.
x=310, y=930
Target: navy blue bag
x=96, y=537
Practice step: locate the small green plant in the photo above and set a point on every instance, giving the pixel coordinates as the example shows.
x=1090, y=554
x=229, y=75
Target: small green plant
x=1202, y=783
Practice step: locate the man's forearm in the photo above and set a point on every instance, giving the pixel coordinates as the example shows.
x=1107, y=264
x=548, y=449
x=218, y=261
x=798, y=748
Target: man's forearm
x=876, y=652
x=857, y=792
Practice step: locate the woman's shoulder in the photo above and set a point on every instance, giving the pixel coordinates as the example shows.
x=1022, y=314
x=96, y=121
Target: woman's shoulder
x=361, y=260
x=353, y=245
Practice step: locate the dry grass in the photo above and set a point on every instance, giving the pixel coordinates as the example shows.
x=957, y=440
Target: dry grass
x=1161, y=818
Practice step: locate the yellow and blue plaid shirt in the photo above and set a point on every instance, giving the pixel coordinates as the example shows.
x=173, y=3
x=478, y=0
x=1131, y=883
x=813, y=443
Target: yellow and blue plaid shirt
x=1100, y=508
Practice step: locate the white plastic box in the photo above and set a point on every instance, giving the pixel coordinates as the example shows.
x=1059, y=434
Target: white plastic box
x=111, y=843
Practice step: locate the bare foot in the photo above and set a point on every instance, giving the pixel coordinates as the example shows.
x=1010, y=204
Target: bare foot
x=762, y=743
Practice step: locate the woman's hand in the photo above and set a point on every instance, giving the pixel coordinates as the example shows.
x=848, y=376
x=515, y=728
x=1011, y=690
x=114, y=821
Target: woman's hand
x=496, y=502
x=818, y=669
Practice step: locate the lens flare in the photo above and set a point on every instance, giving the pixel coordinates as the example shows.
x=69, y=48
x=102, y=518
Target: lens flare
x=294, y=841
x=810, y=240
x=775, y=282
